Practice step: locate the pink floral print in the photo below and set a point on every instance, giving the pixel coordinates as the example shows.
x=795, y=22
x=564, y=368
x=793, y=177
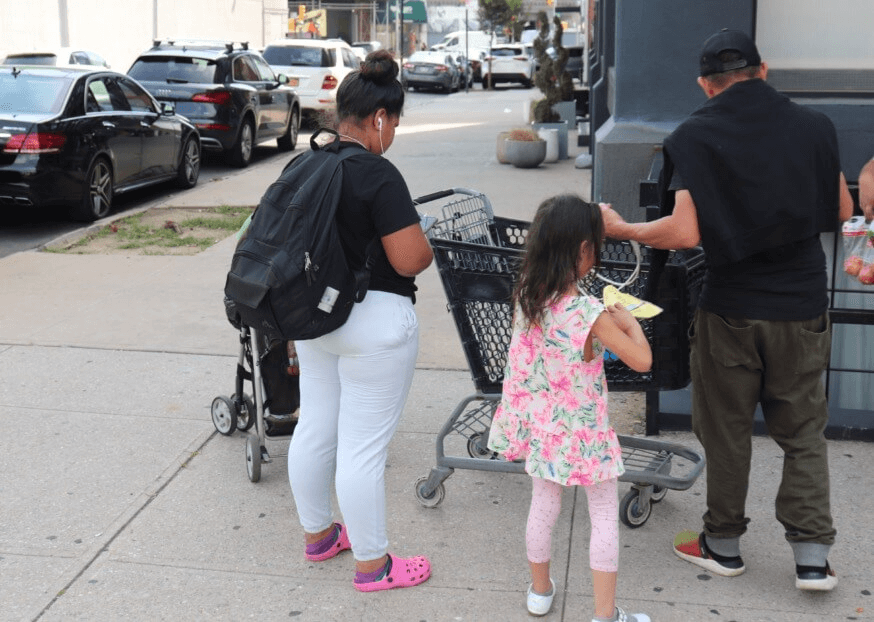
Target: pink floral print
x=553, y=412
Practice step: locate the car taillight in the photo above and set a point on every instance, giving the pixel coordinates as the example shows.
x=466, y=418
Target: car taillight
x=520, y=58
x=488, y=58
x=38, y=142
x=215, y=127
x=220, y=98
x=408, y=65
x=442, y=68
x=330, y=82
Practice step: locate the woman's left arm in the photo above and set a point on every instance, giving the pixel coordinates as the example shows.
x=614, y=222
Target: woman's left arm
x=407, y=250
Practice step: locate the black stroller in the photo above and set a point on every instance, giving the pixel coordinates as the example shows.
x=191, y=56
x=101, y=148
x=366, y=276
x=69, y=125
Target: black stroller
x=271, y=368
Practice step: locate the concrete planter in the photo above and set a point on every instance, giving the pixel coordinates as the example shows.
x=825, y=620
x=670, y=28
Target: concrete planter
x=525, y=153
x=500, y=148
x=562, y=136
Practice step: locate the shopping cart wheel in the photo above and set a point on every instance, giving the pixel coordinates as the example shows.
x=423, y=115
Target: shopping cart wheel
x=245, y=416
x=253, y=458
x=224, y=415
x=658, y=493
x=632, y=512
x=477, y=448
x=436, y=497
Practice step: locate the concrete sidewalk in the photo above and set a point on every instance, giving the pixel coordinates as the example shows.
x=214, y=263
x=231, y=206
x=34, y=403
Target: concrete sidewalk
x=121, y=502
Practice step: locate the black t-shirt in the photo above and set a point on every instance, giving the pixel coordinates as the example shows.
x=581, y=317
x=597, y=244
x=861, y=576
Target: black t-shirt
x=375, y=202
x=784, y=283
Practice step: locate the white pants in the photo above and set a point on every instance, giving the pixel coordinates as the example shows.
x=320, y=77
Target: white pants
x=353, y=385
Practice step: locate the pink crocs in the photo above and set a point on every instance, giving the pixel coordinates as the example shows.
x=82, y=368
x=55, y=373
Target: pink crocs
x=342, y=544
x=403, y=573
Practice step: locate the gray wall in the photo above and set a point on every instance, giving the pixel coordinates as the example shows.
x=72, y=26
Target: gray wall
x=653, y=85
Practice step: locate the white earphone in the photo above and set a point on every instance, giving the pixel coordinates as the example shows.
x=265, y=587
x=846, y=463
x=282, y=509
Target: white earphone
x=379, y=123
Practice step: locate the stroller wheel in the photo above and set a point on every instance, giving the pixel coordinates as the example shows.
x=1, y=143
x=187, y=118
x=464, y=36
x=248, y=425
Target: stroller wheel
x=253, y=458
x=246, y=414
x=224, y=415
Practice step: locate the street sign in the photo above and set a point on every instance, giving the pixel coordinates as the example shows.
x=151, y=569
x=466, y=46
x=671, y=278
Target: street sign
x=415, y=11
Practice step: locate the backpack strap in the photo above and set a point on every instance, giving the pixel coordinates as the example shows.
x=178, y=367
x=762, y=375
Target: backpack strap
x=374, y=247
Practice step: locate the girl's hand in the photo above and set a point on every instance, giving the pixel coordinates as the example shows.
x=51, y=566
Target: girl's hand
x=622, y=316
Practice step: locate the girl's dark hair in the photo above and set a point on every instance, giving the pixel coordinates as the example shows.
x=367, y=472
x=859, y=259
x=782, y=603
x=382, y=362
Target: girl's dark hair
x=373, y=86
x=552, y=252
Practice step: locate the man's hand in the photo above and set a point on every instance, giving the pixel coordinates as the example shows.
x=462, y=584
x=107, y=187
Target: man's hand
x=613, y=222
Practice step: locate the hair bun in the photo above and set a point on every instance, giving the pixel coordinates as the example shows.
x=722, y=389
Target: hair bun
x=380, y=68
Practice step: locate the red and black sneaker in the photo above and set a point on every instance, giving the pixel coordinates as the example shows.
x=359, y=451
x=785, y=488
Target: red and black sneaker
x=690, y=545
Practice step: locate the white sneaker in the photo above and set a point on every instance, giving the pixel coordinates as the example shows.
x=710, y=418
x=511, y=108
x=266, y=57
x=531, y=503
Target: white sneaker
x=540, y=604
x=621, y=616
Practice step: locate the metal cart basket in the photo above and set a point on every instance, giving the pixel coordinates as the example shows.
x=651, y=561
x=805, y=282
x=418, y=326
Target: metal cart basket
x=477, y=255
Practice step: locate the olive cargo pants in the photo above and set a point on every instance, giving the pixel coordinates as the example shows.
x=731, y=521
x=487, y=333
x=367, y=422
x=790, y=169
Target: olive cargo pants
x=737, y=363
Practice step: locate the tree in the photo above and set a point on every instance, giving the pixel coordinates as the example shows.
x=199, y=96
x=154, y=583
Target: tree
x=501, y=16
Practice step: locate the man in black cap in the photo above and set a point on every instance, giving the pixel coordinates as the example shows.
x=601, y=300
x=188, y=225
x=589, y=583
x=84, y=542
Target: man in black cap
x=754, y=178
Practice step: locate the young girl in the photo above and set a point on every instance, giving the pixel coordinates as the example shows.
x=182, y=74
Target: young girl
x=554, y=407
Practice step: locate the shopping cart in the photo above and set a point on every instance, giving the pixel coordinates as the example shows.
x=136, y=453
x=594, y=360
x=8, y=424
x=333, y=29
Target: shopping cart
x=477, y=256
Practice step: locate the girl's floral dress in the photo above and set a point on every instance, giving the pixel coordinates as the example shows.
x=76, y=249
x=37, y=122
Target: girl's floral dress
x=553, y=412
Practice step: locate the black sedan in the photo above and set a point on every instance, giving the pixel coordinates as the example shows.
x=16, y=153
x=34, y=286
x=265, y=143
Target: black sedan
x=78, y=137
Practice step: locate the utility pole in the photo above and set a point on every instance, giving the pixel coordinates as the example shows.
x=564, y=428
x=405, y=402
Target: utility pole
x=64, y=20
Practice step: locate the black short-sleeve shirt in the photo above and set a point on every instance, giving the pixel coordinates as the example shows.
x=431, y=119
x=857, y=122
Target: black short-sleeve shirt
x=784, y=283
x=375, y=202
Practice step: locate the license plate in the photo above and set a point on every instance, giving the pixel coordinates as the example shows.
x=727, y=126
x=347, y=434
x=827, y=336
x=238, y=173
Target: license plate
x=424, y=70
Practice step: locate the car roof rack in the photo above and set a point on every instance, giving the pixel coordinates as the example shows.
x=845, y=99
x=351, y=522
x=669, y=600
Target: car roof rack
x=229, y=46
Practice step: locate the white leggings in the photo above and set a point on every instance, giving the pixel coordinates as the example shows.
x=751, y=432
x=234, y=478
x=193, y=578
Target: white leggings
x=603, y=517
x=353, y=385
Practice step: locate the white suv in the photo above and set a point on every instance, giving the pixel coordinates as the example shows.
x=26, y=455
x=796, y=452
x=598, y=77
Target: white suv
x=315, y=68
x=509, y=62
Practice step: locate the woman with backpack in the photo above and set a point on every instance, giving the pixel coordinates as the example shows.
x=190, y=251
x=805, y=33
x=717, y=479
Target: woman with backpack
x=354, y=380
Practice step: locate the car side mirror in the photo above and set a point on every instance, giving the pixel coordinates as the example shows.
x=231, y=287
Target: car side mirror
x=282, y=78
x=168, y=108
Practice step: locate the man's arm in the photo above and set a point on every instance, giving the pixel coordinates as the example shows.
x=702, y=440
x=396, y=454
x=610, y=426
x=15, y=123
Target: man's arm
x=674, y=232
x=866, y=190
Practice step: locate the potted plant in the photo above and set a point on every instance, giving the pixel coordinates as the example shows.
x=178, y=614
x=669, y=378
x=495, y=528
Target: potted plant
x=523, y=148
x=553, y=80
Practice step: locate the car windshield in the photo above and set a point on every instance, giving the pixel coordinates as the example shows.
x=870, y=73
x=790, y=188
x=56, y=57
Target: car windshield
x=507, y=52
x=299, y=56
x=31, y=59
x=28, y=94
x=174, y=69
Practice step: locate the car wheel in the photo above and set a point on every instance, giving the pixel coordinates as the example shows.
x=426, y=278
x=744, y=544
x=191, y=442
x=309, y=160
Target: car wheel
x=240, y=155
x=485, y=81
x=97, y=199
x=189, y=167
x=288, y=141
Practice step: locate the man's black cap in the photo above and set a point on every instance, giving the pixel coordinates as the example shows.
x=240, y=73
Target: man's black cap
x=728, y=40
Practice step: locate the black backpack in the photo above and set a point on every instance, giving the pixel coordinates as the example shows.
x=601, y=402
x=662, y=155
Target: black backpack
x=289, y=276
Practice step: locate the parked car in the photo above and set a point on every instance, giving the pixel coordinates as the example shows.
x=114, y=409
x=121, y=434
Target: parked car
x=509, y=62
x=315, y=67
x=228, y=91
x=56, y=56
x=367, y=46
x=79, y=137
x=432, y=70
